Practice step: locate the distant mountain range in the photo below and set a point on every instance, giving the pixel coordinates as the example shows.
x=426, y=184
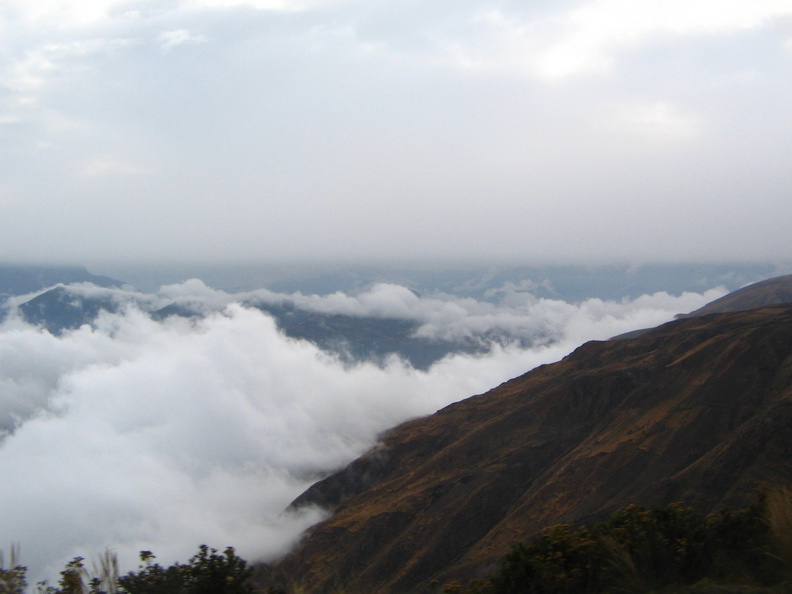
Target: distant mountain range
x=21, y=279
x=480, y=281
x=570, y=283
x=60, y=307
x=697, y=410
x=352, y=338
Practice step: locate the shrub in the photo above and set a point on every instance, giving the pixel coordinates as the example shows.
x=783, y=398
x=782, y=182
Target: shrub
x=642, y=549
x=12, y=579
x=208, y=572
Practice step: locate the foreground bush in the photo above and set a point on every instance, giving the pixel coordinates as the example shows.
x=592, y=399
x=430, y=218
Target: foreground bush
x=207, y=572
x=649, y=549
x=12, y=580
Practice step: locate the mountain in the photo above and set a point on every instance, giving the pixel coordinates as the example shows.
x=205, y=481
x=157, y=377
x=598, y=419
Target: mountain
x=351, y=338
x=773, y=291
x=365, y=338
x=50, y=311
x=767, y=292
x=570, y=283
x=61, y=309
x=23, y=279
x=698, y=410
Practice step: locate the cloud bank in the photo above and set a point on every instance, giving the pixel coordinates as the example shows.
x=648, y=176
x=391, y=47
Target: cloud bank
x=137, y=435
x=220, y=130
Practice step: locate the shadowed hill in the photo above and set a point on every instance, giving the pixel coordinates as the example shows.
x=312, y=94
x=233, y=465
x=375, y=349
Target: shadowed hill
x=60, y=309
x=698, y=410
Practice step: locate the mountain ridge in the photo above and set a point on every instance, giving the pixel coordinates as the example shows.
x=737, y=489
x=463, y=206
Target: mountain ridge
x=698, y=410
x=771, y=291
x=18, y=279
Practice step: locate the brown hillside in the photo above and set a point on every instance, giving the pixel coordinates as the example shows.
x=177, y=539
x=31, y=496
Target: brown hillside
x=698, y=410
x=773, y=291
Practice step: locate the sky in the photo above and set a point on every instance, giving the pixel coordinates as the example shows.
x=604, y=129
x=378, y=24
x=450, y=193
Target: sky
x=131, y=434
x=249, y=130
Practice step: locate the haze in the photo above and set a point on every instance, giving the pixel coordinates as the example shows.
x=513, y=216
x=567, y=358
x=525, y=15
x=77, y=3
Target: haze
x=229, y=130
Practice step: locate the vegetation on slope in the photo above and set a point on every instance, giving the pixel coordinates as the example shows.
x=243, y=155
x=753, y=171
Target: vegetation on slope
x=640, y=549
x=697, y=411
x=207, y=572
x=653, y=549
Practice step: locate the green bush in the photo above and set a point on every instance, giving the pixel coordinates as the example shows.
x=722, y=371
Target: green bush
x=12, y=578
x=562, y=560
x=644, y=549
x=12, y=581
x=208, y=572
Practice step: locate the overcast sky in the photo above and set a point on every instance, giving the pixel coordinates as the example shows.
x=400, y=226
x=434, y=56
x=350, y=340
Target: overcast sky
x=279, y=129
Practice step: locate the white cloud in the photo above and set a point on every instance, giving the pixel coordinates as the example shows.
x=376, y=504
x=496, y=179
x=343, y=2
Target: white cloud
x=176, y=37
x=589, y=36
x=160, y=436
x=261, y=4
x=29, y=75
x=340, y=129
x=596, y=31
x=64, y=13
x=658, y=122
x=106, y=167
x=144, y=432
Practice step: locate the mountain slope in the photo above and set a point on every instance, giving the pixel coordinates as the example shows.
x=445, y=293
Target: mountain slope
x=698, y=410
x=772, y=291
x=60, y=309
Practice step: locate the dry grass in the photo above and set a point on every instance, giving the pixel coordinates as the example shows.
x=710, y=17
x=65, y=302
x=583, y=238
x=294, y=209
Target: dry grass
x=105, y=569
x=622, y=560
x=778, y=513
x=12, y=577
x=299, y=588
x=13, y=557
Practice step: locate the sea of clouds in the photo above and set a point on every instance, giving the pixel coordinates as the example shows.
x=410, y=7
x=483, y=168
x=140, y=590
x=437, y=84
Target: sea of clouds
x=134, y=434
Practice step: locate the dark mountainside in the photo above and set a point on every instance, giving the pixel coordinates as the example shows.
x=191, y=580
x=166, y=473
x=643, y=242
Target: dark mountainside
x=698, y=410
x=59, y=309
x=360, y=338
x=352, y=338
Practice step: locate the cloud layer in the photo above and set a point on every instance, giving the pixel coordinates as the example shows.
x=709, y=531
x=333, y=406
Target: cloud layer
x=143, y=435
x=267, y=129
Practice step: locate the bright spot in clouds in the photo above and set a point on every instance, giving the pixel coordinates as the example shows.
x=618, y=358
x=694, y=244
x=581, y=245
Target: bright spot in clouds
x=171, y=39
x=593, y=33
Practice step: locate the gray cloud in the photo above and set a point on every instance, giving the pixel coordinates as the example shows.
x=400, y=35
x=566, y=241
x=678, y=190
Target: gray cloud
x=354, y=129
